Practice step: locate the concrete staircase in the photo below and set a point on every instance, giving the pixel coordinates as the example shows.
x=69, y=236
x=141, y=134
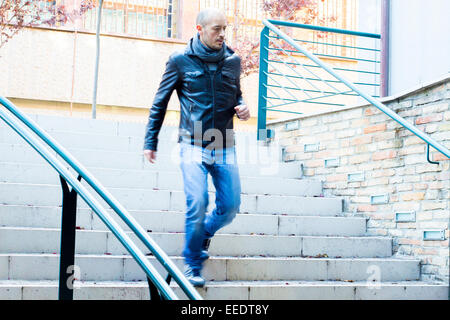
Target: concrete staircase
x=288, y=242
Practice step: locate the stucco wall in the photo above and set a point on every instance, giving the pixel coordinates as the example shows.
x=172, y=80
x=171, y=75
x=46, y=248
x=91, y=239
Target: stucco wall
x=37, y=64
x=419, y=45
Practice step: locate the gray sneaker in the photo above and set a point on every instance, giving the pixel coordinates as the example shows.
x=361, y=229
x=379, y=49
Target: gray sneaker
x=194, y=276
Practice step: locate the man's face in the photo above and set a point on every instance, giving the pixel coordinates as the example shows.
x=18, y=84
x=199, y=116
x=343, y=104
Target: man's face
x=213, y=32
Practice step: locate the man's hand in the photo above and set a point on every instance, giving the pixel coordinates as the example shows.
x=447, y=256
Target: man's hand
x=150, y=155
x=242, y=112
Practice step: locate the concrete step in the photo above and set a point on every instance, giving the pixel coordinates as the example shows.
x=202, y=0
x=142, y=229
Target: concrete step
x=173, y=221
x=144, y=199
x=234, y=290
x=125, y=268
x=111, y=135
x=54, y=123
x=246, y=146
x=41, y=240
x=145, y=179
x=253, y=166
x=82, y=140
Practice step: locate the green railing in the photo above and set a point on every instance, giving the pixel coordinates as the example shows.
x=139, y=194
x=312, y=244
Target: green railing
x=323, y=86
x=24, y=126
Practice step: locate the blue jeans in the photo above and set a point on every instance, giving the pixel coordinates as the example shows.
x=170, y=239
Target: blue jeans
x=196, y=163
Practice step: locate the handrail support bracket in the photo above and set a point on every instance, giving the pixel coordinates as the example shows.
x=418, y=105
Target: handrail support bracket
x=428, y=155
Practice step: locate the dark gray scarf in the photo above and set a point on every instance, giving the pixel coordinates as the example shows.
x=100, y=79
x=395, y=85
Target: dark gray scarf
x=205, y=53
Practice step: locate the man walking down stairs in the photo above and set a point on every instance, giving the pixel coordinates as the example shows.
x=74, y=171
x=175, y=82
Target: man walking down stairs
x=206, y=78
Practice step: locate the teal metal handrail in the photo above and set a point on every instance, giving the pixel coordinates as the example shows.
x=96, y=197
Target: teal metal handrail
x=160, y=255
x=270, y=25
x=320, y=28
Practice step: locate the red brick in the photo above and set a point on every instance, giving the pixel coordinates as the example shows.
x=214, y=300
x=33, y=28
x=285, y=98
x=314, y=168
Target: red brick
x=425, y=252
x=359, y=158
x=427, y=119
x=420, y=186
x=323, y=154
x=415, y=196
x=375, y=128
x=371, y=111
x=436, y=243
x=385, y=154
x=439, y=157
x=314, y=163
x=409, y=241
x=361, y=140
x=367, y=208
x=336, y=177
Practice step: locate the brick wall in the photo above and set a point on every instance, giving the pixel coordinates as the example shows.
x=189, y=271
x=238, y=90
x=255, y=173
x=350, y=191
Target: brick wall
x=381, y=168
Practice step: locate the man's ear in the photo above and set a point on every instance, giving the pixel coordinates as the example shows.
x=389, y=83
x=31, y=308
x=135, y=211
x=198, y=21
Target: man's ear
x=199, y=28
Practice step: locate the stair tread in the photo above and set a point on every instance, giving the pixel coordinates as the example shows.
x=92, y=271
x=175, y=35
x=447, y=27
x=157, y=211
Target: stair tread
x=133, y=170
x=283, y=283
x=217, y=235
x=169, y=190
x=165, y=136
x=150, y=211
x=221, y=258
x=75, y=149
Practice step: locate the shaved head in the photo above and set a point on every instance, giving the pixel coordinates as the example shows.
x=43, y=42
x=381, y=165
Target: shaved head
x=205, y=16
x=211, y=26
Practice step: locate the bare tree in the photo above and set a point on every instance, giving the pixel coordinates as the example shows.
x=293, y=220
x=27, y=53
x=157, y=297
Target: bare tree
x=18, y=14
x=303, y=11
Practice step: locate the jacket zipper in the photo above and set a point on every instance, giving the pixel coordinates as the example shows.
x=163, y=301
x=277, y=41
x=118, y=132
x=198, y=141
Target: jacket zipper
x=219, y=66
x=214, y=98
x=212, y=76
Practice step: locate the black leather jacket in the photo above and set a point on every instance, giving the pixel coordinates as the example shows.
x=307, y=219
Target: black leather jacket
x=205, y=97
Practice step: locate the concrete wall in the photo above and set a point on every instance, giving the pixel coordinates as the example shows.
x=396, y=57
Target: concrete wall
x=37, y=64
x=369, y=20
x=419, y=45
x=376, y=156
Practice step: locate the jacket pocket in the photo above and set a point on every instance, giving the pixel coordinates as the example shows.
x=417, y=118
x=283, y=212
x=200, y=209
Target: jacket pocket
x=228, y=82
x=195, y=80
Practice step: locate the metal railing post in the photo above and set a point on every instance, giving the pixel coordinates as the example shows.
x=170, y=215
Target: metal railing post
x=68, y=235
x=97, y=59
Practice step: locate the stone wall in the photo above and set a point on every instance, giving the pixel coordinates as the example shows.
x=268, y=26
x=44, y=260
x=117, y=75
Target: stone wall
x=381, y=169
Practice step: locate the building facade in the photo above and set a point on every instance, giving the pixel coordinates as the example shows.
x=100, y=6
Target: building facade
x=52, y=68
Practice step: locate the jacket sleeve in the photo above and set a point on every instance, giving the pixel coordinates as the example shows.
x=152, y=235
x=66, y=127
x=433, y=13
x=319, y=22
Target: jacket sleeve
x=168, y=84
x=239, y=98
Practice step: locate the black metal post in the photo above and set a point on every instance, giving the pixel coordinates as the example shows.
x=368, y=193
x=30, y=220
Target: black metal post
x=68, y=232
x=154, y=292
